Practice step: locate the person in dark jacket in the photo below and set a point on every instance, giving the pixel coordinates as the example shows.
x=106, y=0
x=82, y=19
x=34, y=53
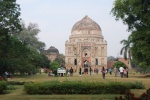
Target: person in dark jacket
x=71, y=71
x=103, y=72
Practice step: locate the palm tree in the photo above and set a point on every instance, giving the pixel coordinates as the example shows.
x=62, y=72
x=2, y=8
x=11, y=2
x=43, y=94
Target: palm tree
x=126, y=49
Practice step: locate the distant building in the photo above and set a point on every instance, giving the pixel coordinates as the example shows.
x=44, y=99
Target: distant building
x=52, y=53
x=86, y=46
x=126, y=62
x=111, y=63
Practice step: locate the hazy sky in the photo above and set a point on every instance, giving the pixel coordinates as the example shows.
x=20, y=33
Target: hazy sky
x=56, y=18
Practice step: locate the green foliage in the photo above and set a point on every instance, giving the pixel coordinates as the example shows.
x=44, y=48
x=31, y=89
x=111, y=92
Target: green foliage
x=54, y=65
x=9, y=24
x=10, y=87
x=44, y=61
x=9, y=17
x=118, y=64
x=18, y=82
x=3, y=86
x=29, y=34
x=18, y=56
x=78, y=87
x=145, y=67
x=136, y=85
x=60, y=60
x=132, y=12
x=135, y=13
x=126, y=50
x=21, y=58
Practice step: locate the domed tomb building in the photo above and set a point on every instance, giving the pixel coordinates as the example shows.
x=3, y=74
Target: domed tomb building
x=52, y=53
x=86, y=46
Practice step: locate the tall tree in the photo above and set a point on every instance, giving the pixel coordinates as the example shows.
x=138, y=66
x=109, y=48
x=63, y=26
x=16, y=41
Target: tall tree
x=135, y=13
x=9, y=24
x=29, y=34
x=126, y=49
x=60, y=60
x=9, y=17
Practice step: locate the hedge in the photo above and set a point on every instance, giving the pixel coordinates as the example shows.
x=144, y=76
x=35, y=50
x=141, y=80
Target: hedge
x=76, y=87
x=18, y=82
x=3, y=86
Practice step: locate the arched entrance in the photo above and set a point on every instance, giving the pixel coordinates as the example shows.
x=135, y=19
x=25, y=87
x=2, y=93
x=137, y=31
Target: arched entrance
x=86, y=59
x=86, y=66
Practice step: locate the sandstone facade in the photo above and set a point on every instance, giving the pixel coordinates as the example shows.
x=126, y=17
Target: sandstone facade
x=86, y=46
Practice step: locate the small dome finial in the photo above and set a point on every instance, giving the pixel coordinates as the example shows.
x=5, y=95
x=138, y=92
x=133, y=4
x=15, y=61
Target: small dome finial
x=86, y=16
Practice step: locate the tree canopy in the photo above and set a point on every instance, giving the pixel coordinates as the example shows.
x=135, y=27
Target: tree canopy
x=135, y=14
x=9, y=17
x=111, y=58
x=29, y=34
x=60, y=60
x=9, y=24
x=119, y=64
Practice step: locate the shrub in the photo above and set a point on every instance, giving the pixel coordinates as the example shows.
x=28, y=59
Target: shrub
x=146, y=95
x=76, y=87
x=136, y=85
x=3, y=86
x=10, y=87
x=17, y=82
x=131, y=96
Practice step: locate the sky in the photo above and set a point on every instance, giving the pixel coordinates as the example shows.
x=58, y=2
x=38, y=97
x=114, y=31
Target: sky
x=55, y=19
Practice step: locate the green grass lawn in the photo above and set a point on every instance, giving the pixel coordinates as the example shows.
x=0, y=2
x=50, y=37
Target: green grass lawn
x=19, y=94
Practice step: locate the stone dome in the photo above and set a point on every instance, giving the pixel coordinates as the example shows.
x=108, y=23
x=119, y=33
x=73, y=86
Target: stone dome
x=86, y=24
x=52, y=49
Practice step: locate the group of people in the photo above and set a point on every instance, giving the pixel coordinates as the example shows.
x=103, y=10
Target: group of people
x=69, y=72
x=8, y=75
x=123, y=71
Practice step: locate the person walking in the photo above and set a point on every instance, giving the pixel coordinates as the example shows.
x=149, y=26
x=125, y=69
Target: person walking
x=71, y=71
x=125, y=72
x=97, y=70
x=121, y=71
x=127, y=69
x=80, y=71
x=110, y=71
x=103, y=72
x=90, y=70
x=116, y=71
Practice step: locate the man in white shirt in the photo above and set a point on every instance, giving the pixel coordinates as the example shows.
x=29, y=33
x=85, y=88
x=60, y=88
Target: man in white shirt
x=121, y=71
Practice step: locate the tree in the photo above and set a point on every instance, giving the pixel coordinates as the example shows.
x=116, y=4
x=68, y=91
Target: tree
x=9, y=17
x=111, y=58
x=54, y=65
x=29, y=34
x=9, y=24
x=44, y=62
x=135, y=14
x=126, y=49
x=119, y=64
x=60, y=60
